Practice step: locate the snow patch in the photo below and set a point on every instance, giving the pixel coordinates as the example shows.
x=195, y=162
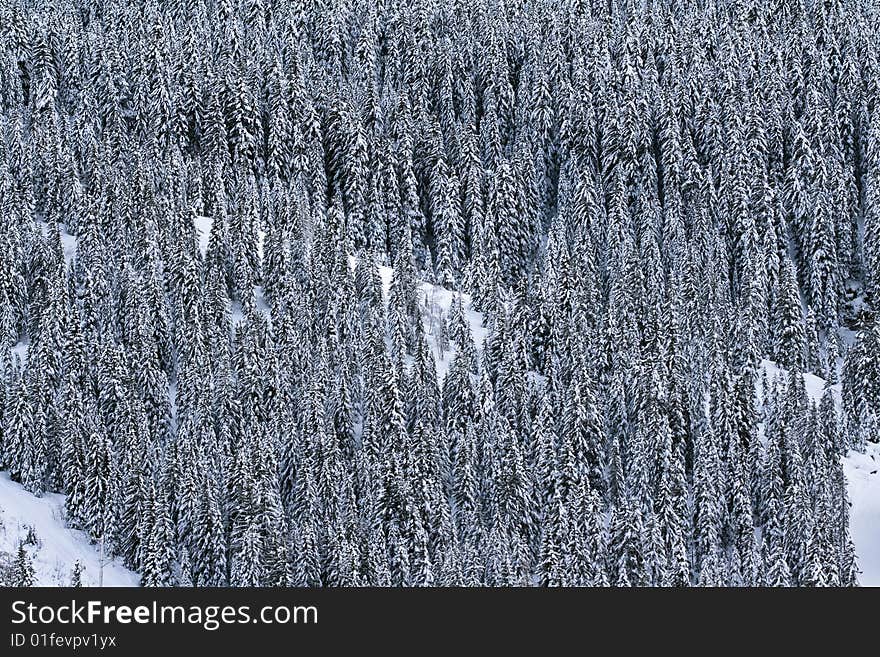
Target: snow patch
x=21, y=350
x=436, y=303
x=203, y=230
x=68, y=241
x=815, y=386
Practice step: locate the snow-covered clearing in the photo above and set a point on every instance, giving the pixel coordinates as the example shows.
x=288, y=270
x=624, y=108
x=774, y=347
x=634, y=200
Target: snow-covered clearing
x=68, y=241
x=58, y=546
x=436, y=303
x=203, y=229
x=863, y=484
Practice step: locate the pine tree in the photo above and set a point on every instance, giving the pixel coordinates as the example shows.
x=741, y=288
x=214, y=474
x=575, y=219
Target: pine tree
x=788, y=324
x=23, y=574
x=76, y=574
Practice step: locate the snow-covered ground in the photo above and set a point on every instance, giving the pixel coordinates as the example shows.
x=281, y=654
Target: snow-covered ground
x=203, y=230
x=436, y=303
x=814, y=385
x=863, y=482
x=58, y=546
x=68, y=241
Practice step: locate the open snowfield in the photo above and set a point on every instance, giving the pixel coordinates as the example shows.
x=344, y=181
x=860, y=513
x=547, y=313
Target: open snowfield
x=864, y=493
x=58, y=546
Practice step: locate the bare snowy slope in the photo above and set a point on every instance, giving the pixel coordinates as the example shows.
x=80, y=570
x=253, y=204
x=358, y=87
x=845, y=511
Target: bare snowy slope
x=58, y=546
x=864, y=492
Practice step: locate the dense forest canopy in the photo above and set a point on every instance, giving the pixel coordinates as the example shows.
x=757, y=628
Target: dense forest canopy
x=638, y=203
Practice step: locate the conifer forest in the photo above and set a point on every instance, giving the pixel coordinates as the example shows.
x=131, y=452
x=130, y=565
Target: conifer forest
x=442, y=292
